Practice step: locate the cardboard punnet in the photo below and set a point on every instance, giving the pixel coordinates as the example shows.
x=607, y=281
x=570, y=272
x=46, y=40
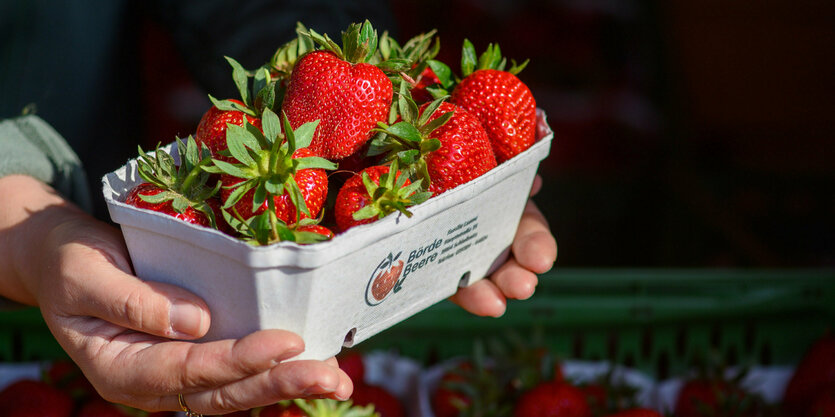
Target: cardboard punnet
x=324, y=292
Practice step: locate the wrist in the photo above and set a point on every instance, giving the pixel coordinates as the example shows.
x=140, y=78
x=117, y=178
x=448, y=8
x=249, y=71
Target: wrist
x=29, y=211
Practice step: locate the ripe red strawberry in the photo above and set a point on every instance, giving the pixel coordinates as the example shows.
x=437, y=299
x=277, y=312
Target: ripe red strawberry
x=552, y=399
x=276, y=182
x=701, y=397
x=447, y=400
x=373, y=194
x=465, y=152
x=815, y=370
x=341, y=90
x=440, y=143
x=182, y=192
x=420, y=90
x=636, y=412
x=384, y=401
x=824, y=405
x=282, y=410
x=312, y=184
x=316, y=229
x=211, y=130
x=27, y=398
x=502, y=103
x=352, y=363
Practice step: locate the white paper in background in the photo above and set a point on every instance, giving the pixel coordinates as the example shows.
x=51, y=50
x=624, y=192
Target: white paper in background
x=11, y=372
x=396, y=374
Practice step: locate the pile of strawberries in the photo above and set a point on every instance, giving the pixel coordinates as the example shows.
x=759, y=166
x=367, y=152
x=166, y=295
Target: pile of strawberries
x=325, y=137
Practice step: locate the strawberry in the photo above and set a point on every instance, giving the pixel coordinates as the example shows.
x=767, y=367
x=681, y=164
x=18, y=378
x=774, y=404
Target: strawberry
x=29, y=398
x=448, y=400
x=700, y=397
x=211, y=131
x=179, y=191
x=552, y=399
x=824, y=404
x=418, y=52
x=440, y=143
x=283, y=409
x=276, y=181
x=317, y=229
x=815, y=370
x=375, y=193
x=420, y=91
x=352, y=363
x=636, y=412
x=341, y=89
x=502, y=103
x=384, y=402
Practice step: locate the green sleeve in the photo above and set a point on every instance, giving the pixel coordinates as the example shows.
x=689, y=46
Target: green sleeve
x=30, y=146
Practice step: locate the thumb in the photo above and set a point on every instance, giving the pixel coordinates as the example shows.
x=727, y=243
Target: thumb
x=100, y=287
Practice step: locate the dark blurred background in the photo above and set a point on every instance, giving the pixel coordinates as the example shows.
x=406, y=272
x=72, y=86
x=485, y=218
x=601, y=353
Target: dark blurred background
x=687, y=132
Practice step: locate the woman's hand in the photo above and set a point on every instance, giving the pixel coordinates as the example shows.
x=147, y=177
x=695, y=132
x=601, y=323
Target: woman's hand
x=533, y=251
x=123, y=331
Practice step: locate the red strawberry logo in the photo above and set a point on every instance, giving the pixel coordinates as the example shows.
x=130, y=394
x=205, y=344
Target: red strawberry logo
x=384, y=283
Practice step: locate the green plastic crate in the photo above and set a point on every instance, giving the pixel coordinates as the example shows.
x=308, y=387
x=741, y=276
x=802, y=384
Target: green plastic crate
x=655, y=320
x=658, y=321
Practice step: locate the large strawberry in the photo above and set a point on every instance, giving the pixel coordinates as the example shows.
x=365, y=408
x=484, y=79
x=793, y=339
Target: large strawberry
x=442, y=144
x=552, y=399
x=504, y=104
x=275, y=175
x=375, y=193
x=26, y=398
x=815, y=371
x=341, y=89
x=180, y=191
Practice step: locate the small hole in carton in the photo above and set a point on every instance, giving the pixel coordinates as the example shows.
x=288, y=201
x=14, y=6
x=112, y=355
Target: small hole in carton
x=349, y=338
x=465, y=280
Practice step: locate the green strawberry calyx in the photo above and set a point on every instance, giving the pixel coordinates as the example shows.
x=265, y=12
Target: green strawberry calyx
x=407, y=137
x=185, y=185
x=359, y=45
x=332, y=408
x=265, y=164
x=390, y=195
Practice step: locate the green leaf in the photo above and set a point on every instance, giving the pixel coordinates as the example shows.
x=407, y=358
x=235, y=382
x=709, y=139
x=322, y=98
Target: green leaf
x=430, y=145
x=238, y=192
x=241, y=79
x=368, y=37
x=311, y=162
x=436, y=123
x=307, y=238
x=304, y=134
x=366, y=212
x=274, y=186
x=296, y=196
x=408, y=157
x=405, y=105
x=443, y=72
x=180, y=204
x=229, y=105
x=158, y=198
x=394, y=65
x=271, y=125
x=405, y=131
x=469, y=59
x=259, y=196
x=430, y=109
x=237, y=138
x=289, y=134
x=230, y=169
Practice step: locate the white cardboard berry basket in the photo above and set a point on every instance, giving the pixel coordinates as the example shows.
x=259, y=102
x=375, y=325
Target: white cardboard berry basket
x=323, y=292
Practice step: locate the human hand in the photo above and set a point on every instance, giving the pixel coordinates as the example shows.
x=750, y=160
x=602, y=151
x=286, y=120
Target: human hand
x=533, y=251
x=120, y=329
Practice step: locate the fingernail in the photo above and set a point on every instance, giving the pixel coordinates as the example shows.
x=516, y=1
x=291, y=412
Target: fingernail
x=186, y=319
